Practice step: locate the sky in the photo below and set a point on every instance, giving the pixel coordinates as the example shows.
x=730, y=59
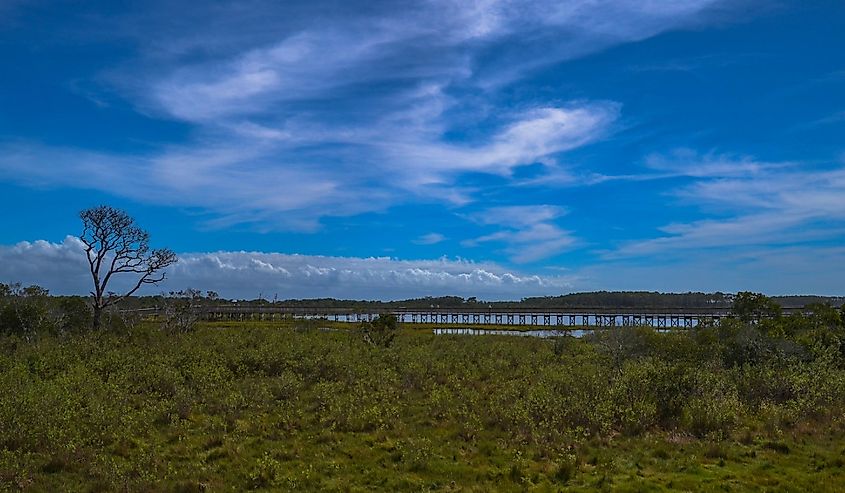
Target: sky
x=490, y=148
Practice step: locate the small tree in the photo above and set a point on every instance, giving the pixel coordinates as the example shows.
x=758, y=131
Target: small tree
x=115, y=245
x=751, y=307
x=381, y=331
x=75, y=314
x=26, y=312
x=824, y=316
x=182, y=310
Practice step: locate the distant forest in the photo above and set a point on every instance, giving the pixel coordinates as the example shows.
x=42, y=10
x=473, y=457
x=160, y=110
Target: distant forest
x=597, y=299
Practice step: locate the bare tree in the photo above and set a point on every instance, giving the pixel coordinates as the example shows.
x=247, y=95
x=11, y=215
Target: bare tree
x=115, y=245
x=182, y=310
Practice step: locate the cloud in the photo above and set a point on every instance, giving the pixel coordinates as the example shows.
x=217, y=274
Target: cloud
x=529, y=233
x=303, y=65
x=551, y=31
x=217, y=179
x=61, y=268
x=685, y=162
x=430, y=239
x=678, y=163
x=299, y=53
x=752, y=229
x=531, y=137
x=788, y=269
x=301, y=110
x=264, y=176
x=517, y=216
x=751, y=203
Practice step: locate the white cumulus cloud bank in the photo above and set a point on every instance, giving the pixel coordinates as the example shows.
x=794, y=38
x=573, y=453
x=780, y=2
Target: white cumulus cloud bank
x=61, y=267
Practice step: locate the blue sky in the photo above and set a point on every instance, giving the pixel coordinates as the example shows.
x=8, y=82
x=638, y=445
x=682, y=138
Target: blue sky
x=497, y=148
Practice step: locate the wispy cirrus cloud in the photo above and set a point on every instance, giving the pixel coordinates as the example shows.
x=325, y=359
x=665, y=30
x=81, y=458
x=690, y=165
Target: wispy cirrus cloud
x=685, y=162
x=430, y=239
x=787, y=269
x=532, y=136
x=215, y=179
x=750, y=203
x=311, y=56
x=528, y=232
x=337, y=104
x=677, y=163
x=254, y=182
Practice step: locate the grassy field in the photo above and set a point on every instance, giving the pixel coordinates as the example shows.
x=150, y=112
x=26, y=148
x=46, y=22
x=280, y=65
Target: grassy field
x=261, y=406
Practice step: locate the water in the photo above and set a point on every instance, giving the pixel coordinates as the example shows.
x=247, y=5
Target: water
x=544, y=333
x=554, y=321
x=463, y=331
x=518, y=333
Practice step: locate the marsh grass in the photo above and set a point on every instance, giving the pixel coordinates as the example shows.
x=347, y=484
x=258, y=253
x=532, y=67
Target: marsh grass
x=266, y=407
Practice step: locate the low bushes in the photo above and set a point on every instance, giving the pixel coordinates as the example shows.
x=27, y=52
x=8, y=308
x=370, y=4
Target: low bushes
x=123, y=410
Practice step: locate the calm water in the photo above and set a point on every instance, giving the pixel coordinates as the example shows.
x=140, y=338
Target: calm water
x=518, y=333
x=458, y=331
x=543, y=333
x=555, y=323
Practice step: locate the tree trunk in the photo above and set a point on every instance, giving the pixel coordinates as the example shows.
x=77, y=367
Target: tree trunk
x=98, y=315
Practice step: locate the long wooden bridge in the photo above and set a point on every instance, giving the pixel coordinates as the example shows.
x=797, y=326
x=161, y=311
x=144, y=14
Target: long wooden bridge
x=557, y=317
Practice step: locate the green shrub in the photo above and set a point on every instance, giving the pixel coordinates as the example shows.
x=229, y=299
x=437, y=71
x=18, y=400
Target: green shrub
x=26, y=312
x=266, y=473
x=751, y=307
x=76, y=314
x=129, y=410
x=713, y=408
x=381, y=331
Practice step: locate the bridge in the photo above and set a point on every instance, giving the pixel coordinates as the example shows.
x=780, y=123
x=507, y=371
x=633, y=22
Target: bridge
x=557, y=317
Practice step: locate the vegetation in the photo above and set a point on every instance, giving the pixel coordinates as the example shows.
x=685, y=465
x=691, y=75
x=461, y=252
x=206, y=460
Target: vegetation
x=182, y=310
x=271, y=406
x=750, y=307
x=381, y=331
